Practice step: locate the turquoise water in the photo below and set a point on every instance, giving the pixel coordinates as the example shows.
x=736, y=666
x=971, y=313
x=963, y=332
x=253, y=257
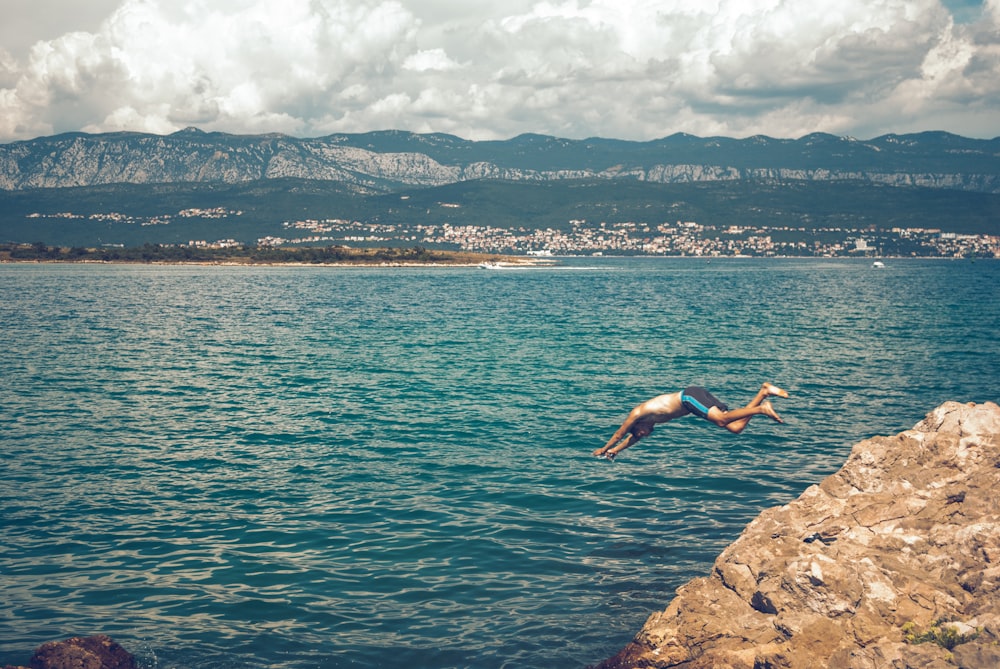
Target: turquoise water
x=340, y=467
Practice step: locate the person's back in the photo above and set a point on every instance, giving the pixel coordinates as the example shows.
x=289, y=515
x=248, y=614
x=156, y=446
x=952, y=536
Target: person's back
x=662, y=408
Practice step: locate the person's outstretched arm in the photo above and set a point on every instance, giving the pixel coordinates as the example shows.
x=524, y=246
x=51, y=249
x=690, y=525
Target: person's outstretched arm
x=616, y=437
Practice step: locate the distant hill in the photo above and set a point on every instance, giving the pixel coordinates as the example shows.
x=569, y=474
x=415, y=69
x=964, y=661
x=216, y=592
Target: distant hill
x=265, y=205
x=388, y=161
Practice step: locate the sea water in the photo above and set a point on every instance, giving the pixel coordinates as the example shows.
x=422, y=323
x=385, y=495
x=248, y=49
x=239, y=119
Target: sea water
x=343, y=467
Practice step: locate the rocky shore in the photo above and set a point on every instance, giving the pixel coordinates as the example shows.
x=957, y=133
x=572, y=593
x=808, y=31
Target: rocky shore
x=894, y=561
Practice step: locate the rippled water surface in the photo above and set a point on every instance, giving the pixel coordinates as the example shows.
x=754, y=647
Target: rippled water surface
x=338, y=467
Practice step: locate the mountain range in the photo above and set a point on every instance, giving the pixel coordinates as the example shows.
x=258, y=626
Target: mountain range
x=388, y=161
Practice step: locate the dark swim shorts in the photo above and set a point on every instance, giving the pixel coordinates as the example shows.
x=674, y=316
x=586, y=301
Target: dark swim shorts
x=698, y=401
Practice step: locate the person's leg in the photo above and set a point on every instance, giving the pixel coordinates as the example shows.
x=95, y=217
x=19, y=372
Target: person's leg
x=769, y=389
x=766, y=390
x=736, y=420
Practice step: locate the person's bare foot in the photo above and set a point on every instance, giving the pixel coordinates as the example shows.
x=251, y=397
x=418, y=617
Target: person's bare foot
x=769, y=410
x=774, y=390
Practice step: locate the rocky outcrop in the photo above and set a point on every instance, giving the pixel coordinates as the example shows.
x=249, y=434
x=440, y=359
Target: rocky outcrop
x=92, y=652
x=894, y=561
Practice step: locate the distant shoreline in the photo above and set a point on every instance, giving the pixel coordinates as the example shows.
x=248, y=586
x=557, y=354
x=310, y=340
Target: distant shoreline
x=529, y=262
x=334, y=256
x=501, y=262
x=261, y=257
x=358, y=266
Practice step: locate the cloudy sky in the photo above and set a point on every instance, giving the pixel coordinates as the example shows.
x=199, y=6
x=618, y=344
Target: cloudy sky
x=492, y=69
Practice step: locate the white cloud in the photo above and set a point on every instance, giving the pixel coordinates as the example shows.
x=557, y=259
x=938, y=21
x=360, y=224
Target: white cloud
x=489, y=69
x=128, y=118
x=431, y=59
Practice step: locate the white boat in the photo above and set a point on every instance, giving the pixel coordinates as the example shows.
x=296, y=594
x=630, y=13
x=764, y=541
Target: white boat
x=878, y=264
x=490, y=265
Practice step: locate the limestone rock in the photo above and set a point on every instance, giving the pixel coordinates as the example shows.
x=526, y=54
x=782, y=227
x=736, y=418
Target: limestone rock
x=398, y=159
x=894, y=561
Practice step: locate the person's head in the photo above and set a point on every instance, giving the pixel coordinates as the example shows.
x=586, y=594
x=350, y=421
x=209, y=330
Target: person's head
x=641, y=430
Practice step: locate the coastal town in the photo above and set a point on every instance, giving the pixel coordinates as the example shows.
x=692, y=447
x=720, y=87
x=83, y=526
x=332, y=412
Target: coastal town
x=144, y=221
x=682, y=238
x=582, y=237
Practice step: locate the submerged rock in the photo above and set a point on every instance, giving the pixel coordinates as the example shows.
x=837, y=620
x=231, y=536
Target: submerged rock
x=894, y=561
x=92, y=652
